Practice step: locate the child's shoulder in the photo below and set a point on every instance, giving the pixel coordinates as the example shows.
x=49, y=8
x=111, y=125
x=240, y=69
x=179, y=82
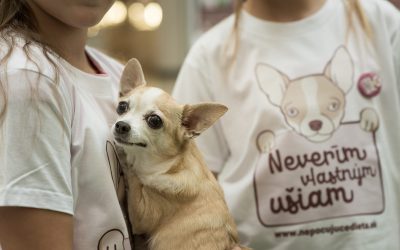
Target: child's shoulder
x=23, y=56
x=213, y=40
x=382, y=12
x=221, y=29
x=379, y=5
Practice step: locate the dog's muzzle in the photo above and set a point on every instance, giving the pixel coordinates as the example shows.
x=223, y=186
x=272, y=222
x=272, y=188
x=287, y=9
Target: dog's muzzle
x=122, y=131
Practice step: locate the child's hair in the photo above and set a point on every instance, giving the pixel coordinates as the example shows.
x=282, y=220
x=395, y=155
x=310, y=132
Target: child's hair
x=353, y=8
x=17, y=21
x=232, y=43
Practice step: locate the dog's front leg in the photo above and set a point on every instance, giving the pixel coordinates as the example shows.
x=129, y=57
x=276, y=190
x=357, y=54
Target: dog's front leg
x=184, y=184
x=144, y=213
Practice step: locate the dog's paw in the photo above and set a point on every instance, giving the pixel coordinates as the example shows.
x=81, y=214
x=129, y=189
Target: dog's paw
x=265, y=141
x=369, y=120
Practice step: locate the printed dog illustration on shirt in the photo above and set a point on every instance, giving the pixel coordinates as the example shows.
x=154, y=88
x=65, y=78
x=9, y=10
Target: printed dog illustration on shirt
x=312, y=105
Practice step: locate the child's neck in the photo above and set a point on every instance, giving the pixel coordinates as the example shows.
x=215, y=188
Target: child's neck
x=282, y=10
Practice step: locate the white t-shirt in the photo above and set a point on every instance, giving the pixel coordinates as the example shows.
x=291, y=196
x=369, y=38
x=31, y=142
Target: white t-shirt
x=56, y=151
x=308, y=152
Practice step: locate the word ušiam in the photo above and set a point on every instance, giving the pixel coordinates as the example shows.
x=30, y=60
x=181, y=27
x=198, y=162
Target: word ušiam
x=336, y=170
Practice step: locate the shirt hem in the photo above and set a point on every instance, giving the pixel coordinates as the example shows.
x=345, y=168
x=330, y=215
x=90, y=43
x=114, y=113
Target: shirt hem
x=36, y=199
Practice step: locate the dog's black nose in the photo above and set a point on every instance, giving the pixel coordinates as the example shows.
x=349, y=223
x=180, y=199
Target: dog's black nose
x=315, y=125
x=122, y=127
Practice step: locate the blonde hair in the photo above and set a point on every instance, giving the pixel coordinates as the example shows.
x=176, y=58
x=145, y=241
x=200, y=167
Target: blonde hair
x=232, y=45
x=18, y=20
x=353, y=9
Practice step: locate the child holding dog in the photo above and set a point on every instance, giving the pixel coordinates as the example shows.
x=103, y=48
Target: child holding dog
x=57, y=102
x=307, y=153
x=60, y=182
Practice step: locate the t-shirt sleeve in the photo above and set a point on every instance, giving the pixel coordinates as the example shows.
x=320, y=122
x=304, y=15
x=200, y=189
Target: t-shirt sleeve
x=193, y=85
x=35, y=168
x=392, y=22
x=396, y=50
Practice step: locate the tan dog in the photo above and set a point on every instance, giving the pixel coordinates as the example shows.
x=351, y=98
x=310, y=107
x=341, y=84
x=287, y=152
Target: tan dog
x=172, y=196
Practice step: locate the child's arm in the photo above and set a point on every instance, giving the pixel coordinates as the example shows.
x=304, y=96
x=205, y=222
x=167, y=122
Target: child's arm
x=35, y=165
x=34, y=229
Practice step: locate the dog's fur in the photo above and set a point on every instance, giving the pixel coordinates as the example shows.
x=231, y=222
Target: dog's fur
x=172, y=197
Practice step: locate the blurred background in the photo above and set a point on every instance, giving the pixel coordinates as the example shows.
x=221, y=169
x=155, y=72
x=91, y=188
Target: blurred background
x=158, y=33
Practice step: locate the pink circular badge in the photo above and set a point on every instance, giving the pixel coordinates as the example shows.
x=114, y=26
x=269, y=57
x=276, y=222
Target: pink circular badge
x=369, y=84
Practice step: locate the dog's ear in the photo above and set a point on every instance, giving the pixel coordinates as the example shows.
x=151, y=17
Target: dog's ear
x=197, y=118
x=272, y=82
x=132, y=76
x=341, y=69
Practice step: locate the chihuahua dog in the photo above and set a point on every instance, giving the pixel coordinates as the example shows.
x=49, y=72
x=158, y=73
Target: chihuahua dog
x=172, y=197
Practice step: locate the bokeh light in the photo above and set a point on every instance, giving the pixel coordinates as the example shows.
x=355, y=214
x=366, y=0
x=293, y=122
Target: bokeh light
x=143, y=17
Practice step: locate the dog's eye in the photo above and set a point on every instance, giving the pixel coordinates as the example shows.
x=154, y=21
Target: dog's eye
x=122, y=107
x=154, y=121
